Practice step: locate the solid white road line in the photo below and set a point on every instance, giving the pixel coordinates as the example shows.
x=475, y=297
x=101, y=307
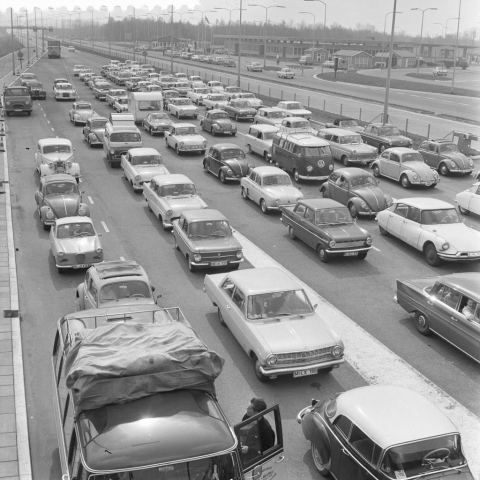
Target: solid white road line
x=377, y=364
x=375, y=248
x=104, y=225
x=90, y=200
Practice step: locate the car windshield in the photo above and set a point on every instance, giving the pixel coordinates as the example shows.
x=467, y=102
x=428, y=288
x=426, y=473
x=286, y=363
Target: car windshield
x=182, y=101
x=84, y=106
x=125, y=137
x=277, y=115
x=235, y=90
x=160, y=116
x=209, y=229
x=276, y=304
x=114, y=292
x=15, y=91
x=363, y=181
x=268, y=135
x=448, y=147
x=75, y=230
x=186, y=131
x=147, y=160
x=219, y=115
x=242, y=104
x=388, y=131
x=412, y=157
x=349, y=139
x=122, y=101
x=426, y=456
x=98, y=124
x=61, y=188
x=333, y=216
x=177, y=190
x=435, y=217
x=348, y=123
x=317, y=151
x=64, y=86
x=56, y=149
x=200, y=90
x=217, y=98
x=216, y=84
x=301, y=124
x=276, y=180
x=294, y=106
x=232, y=153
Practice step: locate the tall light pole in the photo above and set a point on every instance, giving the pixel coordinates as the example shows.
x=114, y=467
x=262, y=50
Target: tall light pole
x=443, y=26
x=423, y=10
x=157, y=16
x=324, y=29
x=265, y=32
x=189, y=12
x=28, y=37
x=41, y=20
x=384, y=28
x=387, y=89
x=239, y=44
x=230, y=10
x=456, y=46
x=13, y=43
x=105, y=8
x=202, y=12
x=91, y=10
x=313, y=29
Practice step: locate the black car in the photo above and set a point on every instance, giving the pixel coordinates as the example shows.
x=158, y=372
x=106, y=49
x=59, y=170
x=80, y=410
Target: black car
x=227, y=161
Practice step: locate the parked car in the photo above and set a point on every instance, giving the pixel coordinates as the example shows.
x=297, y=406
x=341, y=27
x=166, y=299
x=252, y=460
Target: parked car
x=94, y=130
x=81, y=112
x=181, y=87
x=184, y=138
x=384, y=136
x=240, y=109
x=436, y=301
x=205, y=238
x=328, y=227
x=214, y=100
x=254, y=67
x=59, y=80
x=57, y=197
x=269, y=187
x=194, y=79
x=217, y=122
x=469, y=200
x=262, y=308
x=270, y=116
x=229, y=62
x=445, y=157
x=345, y=123
x=285, y=73
x=196, y=95
x=168, y=196
x=113, y=94
x=259, y=140
x=348, y=147
x=254, y=101
x=294, y=109
x=227, y=161
x=64, y=91
x=115, y=283
x=182, y=107
x=356, y=189
x=55, y=155
x=85, y=74
x=440, y=71
x=75, y=243
x=215, y=86
x=37, y=90
x=158, y=122
x=71, y=49
x=374, y=431
x=120, y=105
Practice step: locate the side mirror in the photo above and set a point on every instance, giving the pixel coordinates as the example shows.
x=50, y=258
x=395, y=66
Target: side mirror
x=99, y=234
x=153, y=289
x=315, y=306
x=158, y=298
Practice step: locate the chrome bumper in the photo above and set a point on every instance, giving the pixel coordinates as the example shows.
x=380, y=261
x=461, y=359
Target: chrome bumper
x=286, y=370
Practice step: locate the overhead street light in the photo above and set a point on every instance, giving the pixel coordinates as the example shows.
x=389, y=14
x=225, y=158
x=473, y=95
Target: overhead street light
x=324, y=29
x=456, y=45
x=28, y=37
x=390, y=54
x=202, y=12
x=230, y=10
x=313, y=29
x=423, y=10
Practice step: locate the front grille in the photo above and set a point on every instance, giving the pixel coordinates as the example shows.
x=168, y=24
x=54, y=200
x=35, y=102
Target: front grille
x=220, y=256
x=350, y=244
x=80, y=258
x=66, y=95
x=304, y=358
x=364, y=155
x=18, y=105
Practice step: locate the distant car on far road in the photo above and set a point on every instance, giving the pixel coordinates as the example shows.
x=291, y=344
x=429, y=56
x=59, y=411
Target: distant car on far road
x=440, y=71
x=346, y=123
x=286, y=73
x=254, y=67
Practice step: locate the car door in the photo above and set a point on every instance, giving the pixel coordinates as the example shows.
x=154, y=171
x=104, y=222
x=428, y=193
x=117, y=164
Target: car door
x=234, y=315
x=411, y=229
x=342, y=190
x=90, y=293
x=169, y=136
x=297, y=222
x=335, y=146
x=216, y=162
x=207, y=122
x=181, y=234
x=309, y=235
x=267, y=461
x=434, y=155
x=258, y=142
x=38, y=156
x=474, y=200
x=426, y=153
x=393, y=166
x=253, y=187
x=395, y=219
x=127, y=166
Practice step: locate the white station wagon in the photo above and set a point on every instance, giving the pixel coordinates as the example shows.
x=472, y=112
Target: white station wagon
x=184, y=137
x=182, y=107
x=295, y=109
x=259, y=140
x=64, y=91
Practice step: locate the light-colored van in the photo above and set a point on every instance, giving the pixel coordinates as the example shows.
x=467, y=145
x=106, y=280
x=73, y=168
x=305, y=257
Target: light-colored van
x=142, y=104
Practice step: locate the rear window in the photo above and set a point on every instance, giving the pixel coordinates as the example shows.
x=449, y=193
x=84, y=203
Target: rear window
x=149, y=105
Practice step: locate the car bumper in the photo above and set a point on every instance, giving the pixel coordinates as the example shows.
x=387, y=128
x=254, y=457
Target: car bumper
x=194, y=149
x=460, y=257
x=307, y=177
x=457, y=170
x=287, y=370
x=361, y=161
x=343, y=252
x=72, y=263
x=209, y=264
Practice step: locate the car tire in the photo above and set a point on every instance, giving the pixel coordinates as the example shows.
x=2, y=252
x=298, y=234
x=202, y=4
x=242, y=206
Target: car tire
x=422, y=324
x=191, y=267
x=61, y=271
x=202, y=152
x=149, y=207
x=177, y=151
x=249, y=148
x=443, y=169
x=175, y=244
x=75, y=123
x=213, y=132
x=345, y=161
x=382, y=148
x=353, y=210
x=463, y=211
x=150, y=131
x=234, y=133
x=431, y=255
x=221, y=176
x=405, y=181
x=236, y=117
x=291, y=233
x=376, y=171
x=263, y=207
x=265, y=157
x=362, y=256
x=256, y=367
x=383, y=231
x=46, y=227
x=296, y=176
x=220, y=319
x=322, y=469
x=322, y=254
x=323, y=192
x=166, y=143
x=244, y=193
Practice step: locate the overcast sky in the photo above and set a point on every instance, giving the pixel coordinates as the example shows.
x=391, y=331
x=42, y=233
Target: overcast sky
x=348, y=13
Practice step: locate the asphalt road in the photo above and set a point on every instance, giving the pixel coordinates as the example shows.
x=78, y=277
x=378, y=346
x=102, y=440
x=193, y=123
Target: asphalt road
x=363, y=290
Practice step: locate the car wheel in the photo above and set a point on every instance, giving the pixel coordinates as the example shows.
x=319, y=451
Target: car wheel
x=175, y=244
x=150, y=131
x=265, y=157
x=296, y=176
x=353, y=210
x=322, y=254
x=191, y=267
x=256, y=366
x=463, y=211
x=249, y=149
x=383, y=231
x=443, y=170
x=236, y=117
x=221, y=176
x=291, y=233
x=382, y=148
x=75, y=123
x=177, y=151
x=422, y=324
x=245, y=193
x=263, y=206
x=46, y=227
x=323, y=192
x=213, y=132
x=149, y=207
x=362, y=256
x=345, y=161
x=405, y=182
x=322, y=468
x=431, y=255
x=220, y=319
x=376, y=171
x=234, y=133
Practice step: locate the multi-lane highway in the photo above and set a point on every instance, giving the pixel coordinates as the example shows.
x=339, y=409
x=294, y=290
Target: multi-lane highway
x=363, y=290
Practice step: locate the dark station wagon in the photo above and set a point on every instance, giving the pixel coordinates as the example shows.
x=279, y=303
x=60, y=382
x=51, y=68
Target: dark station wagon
x=384, y=136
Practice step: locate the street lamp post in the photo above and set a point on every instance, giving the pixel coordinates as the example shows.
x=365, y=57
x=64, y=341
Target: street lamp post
x=41, y=20
x=324, y=29
x=443, y=27
x=313, y=29
x=28, y=38
x=13, y=43
x=456, y=46
x=387, y=89
x=203, y=26
x=265, y=32
x=239, y=44
x=105, y=8
x=230, y=10
x=91, y=10
x=421, y=33
x=384, y=28
x=189, y=12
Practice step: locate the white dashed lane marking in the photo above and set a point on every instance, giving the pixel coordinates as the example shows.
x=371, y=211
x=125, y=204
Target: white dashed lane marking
x=104, y=225
x=375, y=248
x=90, y=200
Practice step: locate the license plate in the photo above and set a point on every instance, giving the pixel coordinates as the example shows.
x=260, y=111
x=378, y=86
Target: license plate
x=474, y=254
x=83, y=265
x=18, y=110
x=304, y=373
x=217, y=264
x=350, y=254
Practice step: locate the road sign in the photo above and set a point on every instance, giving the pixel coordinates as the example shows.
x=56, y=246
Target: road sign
x=145, y=53
x=20, y=55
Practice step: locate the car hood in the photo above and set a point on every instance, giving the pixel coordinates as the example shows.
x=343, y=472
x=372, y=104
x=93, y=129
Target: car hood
x=458, y=235
x=147, y=172
x=63, y=205
x=161, y=123
x=53, y=157
x=359, y=148
x=459, y=159
x=84, y=113
x=215, y=244
x=179, y=204
x=223, y=122
x=398, y=140
x=255, y=101
x=299, y=112
x=190, y=139
x=373, y=197
x=186, y=107
x=246, y=110
x=283, y=192
x=421, y=169
x=99, y=133
x=345, y=232
x=238, y=166
x=294, y=334
x=79, y=244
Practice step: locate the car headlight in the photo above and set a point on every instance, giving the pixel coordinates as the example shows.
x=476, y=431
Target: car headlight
x=98, y=250
x=8, y=103
x=61, y=254
x=239, y=254
x=452, y=164
x=200, y=99
x=369, y=240
x=435, y=174
x=277, y=201
x=309, y=168
x=197, y=257
x=112, y=152
x=216, y=127
x=50, y=215
x=364, y=205
x=234, y=126
x=471, y=164
x=354, y=151
x=182, y=144
x=337, y=350
x=271, y=360
x=82, y=212
x=50, y=164
x=445, y=246
x=138, y=178
x=415, y=176
x=169, y=212
x=205, y=144
x=332, y=243
x=27, y=102
x=375, y=150
x=330, y=167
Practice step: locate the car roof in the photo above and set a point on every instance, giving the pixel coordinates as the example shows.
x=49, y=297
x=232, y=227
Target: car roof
x=254, y=281
x=223, y=146
x=184, y=125
x=82, y=103
x=68, y=220
x=203, y=214
x=343, y=118
x=118, y=268
x=381, y=125
x=143, y=151
x=295, y=118
x=424, y=203
x=392, y=415
x=218, y=110
x=319, y=203
x=352, y=172
x=54, y=141
x=58, y=177
x=441, y=140
x=338, y=131
x=468, y=283
x=265, y=127
x=269, y=170
x=97, y=117
x=400, y=150
x=270, y=109
x=305, y=139
x=171, y=179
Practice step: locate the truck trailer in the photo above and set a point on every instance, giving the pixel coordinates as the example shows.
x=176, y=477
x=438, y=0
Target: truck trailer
x=53, y=48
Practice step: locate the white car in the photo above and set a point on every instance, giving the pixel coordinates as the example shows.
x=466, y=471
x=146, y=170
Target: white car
x=215, y=86
x=297, y=125
x=120, y=105
x=215, y=100
x=140, y=165
x=168, y=196
x=181, y=76
x=182, y=107
x=433, y=227
x=55, y=155
x=285, y=73
x=254, y=101
x=64, y=91
x=196, y=95
x=184, y=137
x=231, y=90
x=295, y=109
x=270, y=116
x=259, y=140
x=254, y=67
x=77, y=69
x=85, y=72
x=469, y=200
x=115, y=93
x=194, y=79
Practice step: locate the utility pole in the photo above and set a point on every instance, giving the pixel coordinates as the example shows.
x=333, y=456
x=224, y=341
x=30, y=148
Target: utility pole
x=387, y=89
x=13, y=43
